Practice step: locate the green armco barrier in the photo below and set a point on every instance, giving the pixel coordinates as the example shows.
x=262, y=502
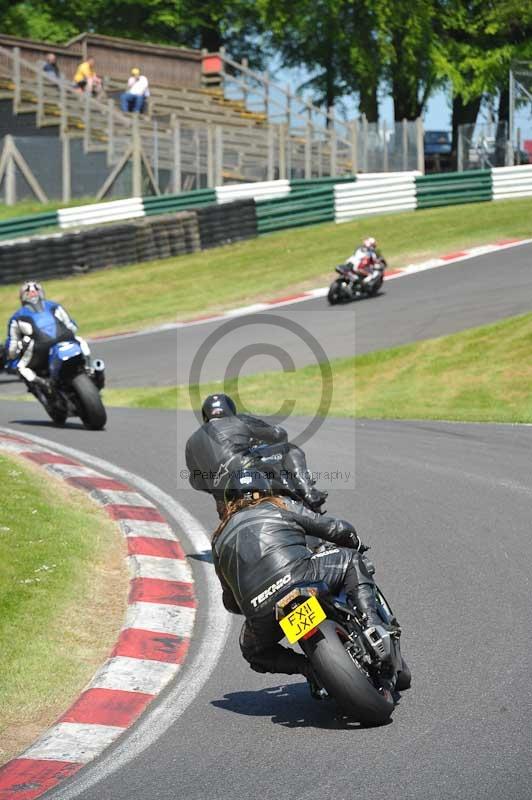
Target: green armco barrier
x=300, y=207
x=20, y=226
x=296, y=221
x=328, y=181
x=454, y=188
x=166, y=203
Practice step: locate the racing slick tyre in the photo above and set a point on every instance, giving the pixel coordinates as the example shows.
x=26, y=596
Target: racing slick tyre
x=376, y=288
x=344, y=680
x=91, y=409
x=335, y=294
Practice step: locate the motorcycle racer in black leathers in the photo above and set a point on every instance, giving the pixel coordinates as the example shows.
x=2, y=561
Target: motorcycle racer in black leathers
x=259, y=552
x=218, y=448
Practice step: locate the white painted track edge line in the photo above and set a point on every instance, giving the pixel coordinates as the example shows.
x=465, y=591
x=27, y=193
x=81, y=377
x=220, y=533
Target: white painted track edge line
x=163, y=712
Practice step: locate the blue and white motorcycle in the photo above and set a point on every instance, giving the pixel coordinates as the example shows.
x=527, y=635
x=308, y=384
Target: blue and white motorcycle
x=72, y=385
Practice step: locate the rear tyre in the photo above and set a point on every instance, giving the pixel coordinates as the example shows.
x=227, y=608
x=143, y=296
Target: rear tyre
x=91, y=409
x=344, y=680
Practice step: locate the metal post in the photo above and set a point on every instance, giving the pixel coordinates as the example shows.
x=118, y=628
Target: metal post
x=66, y=168
x=210, y=157
x=221, y=52
x=17, y=94
x=420, y=146
x=10, y=174
x=271, y=152
x=63, y=106
x=245, y=64
x=266, y=84
x=404, y=125
x=333, y=146
x=176, y=160
x=218, y=155
x=155, y=137
x=308, y=151
x=110, y=132
x=518, y=151
x=136, y=172
x=353, y=127
x=385, y=148
x=288, y=95
x=86, y=122
x=460, y=159
x=282, y=151
x=364, y=143
x=39, y=117
x=511, y=101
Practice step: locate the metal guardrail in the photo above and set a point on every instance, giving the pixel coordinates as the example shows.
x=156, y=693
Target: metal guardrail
x=452, y=188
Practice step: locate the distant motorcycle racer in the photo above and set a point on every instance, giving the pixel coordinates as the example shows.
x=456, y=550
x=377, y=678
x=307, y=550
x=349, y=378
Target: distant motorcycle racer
x=364, y=260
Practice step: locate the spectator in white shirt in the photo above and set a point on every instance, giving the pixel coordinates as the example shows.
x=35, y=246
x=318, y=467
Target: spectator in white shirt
x=134, y=98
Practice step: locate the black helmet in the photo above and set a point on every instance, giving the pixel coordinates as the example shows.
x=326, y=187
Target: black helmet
x=248, y=484
x=217, y=405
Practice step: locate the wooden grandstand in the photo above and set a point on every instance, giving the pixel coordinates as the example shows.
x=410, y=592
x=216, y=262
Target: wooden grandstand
x=222, y=123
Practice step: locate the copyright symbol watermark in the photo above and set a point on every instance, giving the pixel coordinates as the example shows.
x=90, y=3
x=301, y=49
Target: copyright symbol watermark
x=277, y=337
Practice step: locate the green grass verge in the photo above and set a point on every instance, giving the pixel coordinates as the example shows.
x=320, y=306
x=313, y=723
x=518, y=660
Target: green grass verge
x=127, y=298
x=482, y=374
x=63, y=588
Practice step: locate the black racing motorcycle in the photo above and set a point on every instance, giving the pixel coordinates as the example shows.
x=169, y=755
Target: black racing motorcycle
x=359, y=667
x=350, y=286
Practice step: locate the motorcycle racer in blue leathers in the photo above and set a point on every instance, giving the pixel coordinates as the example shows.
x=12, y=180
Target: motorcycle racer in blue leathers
x=32, y=330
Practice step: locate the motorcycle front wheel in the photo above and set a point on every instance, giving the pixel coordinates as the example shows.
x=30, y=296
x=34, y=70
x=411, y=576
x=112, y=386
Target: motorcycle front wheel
x=344, y=680
x=91, y=409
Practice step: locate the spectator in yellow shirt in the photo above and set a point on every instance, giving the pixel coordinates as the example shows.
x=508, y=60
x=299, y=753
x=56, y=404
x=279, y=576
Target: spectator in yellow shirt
x=86, y=79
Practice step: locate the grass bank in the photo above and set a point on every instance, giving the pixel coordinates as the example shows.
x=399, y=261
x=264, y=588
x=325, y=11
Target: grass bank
x=482, y=374
x=63, y=588
x=127, y=298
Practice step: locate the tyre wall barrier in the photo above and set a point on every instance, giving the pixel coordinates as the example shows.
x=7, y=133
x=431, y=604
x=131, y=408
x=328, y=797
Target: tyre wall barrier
x=227, y=223
x=511, y=182
x=452, y=188
x=375, y=193
x=72, y=252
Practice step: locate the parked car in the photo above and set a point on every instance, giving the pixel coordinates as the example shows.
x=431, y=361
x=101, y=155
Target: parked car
x=437, y=143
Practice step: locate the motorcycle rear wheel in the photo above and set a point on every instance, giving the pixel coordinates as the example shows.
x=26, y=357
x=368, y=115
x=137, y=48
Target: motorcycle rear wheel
x=91, y=409
x=354, y=692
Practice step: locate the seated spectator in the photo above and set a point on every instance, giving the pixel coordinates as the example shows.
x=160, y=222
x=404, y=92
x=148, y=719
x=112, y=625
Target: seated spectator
x=86, y=79
x=134, y=98
x=50, y=67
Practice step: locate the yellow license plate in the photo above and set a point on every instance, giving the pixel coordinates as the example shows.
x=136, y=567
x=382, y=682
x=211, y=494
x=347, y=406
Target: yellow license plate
x=302, y=619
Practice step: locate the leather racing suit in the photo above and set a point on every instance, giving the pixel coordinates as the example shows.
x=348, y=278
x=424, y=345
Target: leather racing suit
x=261, y=553
x=216, y=450
x=31, y=333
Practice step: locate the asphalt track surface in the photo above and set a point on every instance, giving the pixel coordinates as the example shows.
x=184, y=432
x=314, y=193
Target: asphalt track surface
x=433, y=303
x=446, y=508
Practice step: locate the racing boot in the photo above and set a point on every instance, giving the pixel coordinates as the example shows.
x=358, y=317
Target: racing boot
x=315, y=498
x=376, y=631
x=296, y=464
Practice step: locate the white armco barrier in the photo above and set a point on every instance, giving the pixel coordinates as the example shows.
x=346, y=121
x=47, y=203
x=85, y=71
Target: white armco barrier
x=508, y=182
x=101, y=212
x=375, y=193
x=265, y=190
